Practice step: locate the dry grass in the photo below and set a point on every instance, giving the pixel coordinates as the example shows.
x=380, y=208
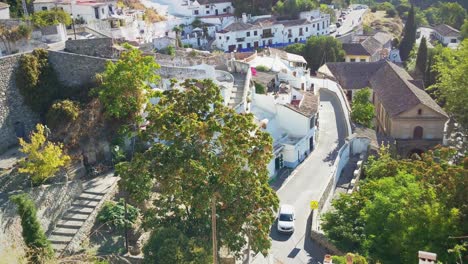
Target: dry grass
x=152, y=16
x=380, y=21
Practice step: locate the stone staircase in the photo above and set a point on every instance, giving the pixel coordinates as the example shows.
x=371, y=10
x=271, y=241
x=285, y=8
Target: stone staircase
x=237, y=90
x=77, y=221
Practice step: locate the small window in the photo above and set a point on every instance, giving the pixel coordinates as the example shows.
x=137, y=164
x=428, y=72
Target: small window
x=195, y=12
x=207, y=6
x=207, y=12
x=419, y=111
x=219, y=37
x=44, y=8
x=224, y=10
x=255, y=33
x=227, y=38
x=248, y=33
x=313, y=25
x=363, y=60
x=352, y=60
x=248, y=45
x=307, y=29
x=102, y=10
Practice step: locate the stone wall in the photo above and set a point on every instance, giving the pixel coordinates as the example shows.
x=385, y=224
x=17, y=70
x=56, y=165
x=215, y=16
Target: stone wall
x=51, y=202
x=16, y=119
x=75, y=69
x=100, y=47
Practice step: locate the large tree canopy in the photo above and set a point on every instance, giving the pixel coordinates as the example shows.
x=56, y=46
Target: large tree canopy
x=401, y=207
x=318, y=51
x=202, y=151
x=452, y=82
x=362, y=110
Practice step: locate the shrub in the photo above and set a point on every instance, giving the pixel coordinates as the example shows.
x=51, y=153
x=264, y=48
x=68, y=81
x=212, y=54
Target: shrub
x=260, y=88
x=113, y=214
x=170, y=50
x=262, y=68
x=391, y=12
x=51, y=17
x=373, y=9
x=62, y=111
x=43, y=158
x=33, y=235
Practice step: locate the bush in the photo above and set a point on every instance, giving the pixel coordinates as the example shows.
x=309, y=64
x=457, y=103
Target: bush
x=43, y=158
x=391, y=13
x=113, y=214
x=170, y=50
x=33, y=235
x=260, y=88
x=262, y=68
x=62, y=111
x=373, y=9
x=50, y=18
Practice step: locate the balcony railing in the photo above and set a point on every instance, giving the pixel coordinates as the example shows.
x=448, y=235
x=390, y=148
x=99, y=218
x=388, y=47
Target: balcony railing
x=267, y=35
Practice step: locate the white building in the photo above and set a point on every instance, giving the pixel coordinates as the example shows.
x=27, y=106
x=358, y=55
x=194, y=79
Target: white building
x=249, y=32
x=200, y=8
x=89, y=10
x=163, y=42
x=447, y=35
x=288, y=109
x=4, y=11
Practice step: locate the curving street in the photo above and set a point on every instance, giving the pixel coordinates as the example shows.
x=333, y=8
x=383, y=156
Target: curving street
x=306, y=184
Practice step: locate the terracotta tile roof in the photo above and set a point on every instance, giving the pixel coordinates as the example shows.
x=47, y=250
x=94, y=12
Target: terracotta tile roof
x=308, y=106
x=353, y=75
x=396, y=89
x=368, y=47
x=447, y=31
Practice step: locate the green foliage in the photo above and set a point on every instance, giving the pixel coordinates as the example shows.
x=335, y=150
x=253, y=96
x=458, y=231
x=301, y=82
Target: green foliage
x=16, y=7
x=464, y=30
x=292, y=8
x=262, y=68
x=327, y=10
x=318, y=50
x=113, y=214
x=51, y=17
x=170, y=50
x=37, y=81
x=357, y=259
x=125, y=85
x=362, y=110
x=391, y=12
x=452, y=84
x=409, y=36
x=421, y=60
x=254, y=7
x=204, y=151
x=43, y=158
x=33, y=235
x=197, y=23
x=170, y=245
x=62, y=111
x=260, y=88
x=401, y=207
x=452, y=14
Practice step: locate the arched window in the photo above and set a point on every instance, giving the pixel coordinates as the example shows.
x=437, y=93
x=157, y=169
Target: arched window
x=418, y=132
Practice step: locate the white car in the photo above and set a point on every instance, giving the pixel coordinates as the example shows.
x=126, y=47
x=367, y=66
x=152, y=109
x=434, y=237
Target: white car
x=286, y=217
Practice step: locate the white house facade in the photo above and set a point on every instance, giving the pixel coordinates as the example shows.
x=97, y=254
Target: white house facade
x=447, y=35
x=4, y=11
x=88, y=10
x=249, y=33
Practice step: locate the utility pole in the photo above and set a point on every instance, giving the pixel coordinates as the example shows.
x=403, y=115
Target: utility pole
x=213, y=229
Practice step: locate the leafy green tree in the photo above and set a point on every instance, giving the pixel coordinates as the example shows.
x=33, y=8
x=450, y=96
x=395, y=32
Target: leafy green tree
x=10, y=34
x=431, y=72
x=452, y=84
x=357, y=259
x=40, y=250
x=409, y=36
x=464, y=29
x=62, y=112
x=421, y=60
x=51, y=17
x=169, y=245
x=125, y=84
x=292, y=8
x=327, y=10
x=319, y=50
x=205, y=153
x=37, y=81
x=452, y=14
x=401, y=207
x=43, y=158
x=362, y=110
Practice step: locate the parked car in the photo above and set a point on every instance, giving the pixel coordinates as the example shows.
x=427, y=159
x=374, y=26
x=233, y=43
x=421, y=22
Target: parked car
x=332, y=28
x=286, y=217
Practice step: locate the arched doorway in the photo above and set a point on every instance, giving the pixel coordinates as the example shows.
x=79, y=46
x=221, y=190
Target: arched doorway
x=418, y=132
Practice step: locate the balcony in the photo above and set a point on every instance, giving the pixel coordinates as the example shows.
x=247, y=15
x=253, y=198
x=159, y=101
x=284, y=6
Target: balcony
x=240, y=39
x=267, y=35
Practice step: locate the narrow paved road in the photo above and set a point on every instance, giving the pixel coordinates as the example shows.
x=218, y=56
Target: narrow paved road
x=353, y=19
x=311, y=178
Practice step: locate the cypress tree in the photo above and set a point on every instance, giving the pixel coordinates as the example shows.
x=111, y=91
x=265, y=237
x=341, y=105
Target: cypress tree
x=33, y=235
x=409, y=37
x=421, y=60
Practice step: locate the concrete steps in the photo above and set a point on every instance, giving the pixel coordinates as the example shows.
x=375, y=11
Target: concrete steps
x=81, y=209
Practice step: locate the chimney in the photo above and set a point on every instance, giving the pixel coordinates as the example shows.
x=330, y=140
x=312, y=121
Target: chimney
x=427, y=257
x=244, y=17
x=327, y=259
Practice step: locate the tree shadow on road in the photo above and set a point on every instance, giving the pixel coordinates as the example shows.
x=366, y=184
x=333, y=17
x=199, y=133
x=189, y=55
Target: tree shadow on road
x=331, y=156
x=315, y=251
